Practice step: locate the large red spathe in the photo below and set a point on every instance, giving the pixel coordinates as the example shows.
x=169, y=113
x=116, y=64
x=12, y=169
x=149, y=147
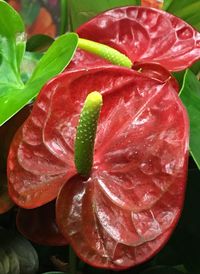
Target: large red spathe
x=144, y=35
x=127, y=209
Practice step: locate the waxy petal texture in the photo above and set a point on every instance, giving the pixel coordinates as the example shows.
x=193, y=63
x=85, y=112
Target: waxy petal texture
x=125, y=212
x=144, y=35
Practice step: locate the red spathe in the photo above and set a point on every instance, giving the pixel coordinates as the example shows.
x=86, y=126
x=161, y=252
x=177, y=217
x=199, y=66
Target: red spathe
x=126, y=210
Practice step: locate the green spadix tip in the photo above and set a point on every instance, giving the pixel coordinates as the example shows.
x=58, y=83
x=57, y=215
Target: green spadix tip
x=93, y=100
x=112, y=55
x=86, y=132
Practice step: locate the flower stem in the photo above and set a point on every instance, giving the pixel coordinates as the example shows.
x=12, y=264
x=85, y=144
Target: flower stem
x=86, y=132
x=112, y=55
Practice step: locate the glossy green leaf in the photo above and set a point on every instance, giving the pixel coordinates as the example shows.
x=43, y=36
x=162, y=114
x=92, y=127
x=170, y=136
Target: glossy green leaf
x=17, y=254
x=186, y=10
x=10, y=256
x=195, y=68
x=81, y=11
x=12, y=44
x=39, y=42
x=54, y=60
x=13, y=98
x=190, y=96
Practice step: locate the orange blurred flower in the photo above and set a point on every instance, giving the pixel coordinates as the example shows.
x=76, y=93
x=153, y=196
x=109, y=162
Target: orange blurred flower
x=153, y=3
x=43, y=24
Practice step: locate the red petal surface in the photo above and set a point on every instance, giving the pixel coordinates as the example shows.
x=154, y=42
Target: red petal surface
x=39, y=226
x=144, y=35
x=41, y=155
x=129, y=206
x=125, y=212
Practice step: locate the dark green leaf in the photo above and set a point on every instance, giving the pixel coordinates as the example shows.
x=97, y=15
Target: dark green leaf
x=195, y=67
x=4, y=261
x=39, y=42
x=167, y=4
x=14, y=267
x=17, y=251
x=190, y=96
x=81, y=11
x=179, y=76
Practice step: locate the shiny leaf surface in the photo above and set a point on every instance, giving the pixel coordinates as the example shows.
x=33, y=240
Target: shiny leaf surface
x=18, y=255
x=59, y=54
x=190, y=95
x=144, y=35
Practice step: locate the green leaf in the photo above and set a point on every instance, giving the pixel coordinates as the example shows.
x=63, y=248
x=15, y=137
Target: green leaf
x=58, y=56
x=54, y=60
x=81, y=11
x=187, y=10
x=190, y=96
x=13, y=266
x=195, y=67
x=17, y=254
x=167, y=4
x=39, y=42
x=12, y=44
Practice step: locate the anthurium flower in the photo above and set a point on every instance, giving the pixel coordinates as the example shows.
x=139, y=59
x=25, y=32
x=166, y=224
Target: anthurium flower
x=127, y=208
x=144, y=35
